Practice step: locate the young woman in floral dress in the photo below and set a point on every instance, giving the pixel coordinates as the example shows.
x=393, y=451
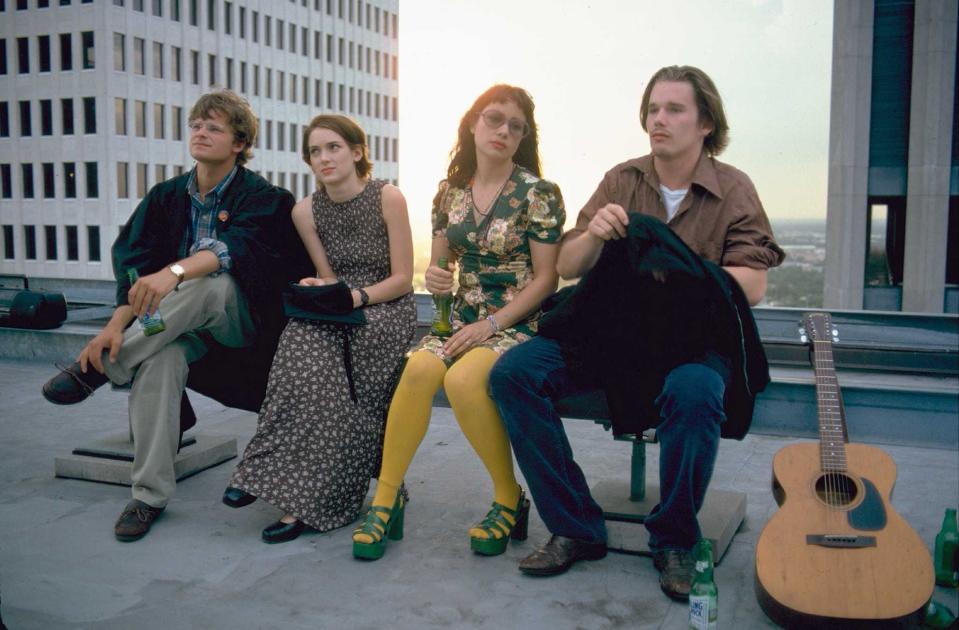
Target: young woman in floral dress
x=497, y=221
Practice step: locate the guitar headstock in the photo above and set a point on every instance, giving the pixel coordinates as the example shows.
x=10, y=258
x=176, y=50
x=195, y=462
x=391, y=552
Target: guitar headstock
x=817, y=327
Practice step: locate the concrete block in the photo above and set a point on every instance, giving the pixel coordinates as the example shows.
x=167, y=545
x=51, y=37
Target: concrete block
x=722, y=513
x=111, y=460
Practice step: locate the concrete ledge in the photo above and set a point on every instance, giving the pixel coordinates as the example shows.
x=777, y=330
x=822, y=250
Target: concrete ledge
x=114, y=461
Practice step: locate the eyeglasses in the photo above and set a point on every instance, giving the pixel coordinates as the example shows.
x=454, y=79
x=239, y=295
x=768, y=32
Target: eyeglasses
x=195, y=126
x=495, y=120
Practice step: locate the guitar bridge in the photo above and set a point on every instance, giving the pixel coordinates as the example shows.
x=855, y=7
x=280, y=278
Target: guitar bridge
x=841, y=541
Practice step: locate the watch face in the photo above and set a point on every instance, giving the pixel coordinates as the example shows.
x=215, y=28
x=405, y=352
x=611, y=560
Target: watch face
x=178, y=271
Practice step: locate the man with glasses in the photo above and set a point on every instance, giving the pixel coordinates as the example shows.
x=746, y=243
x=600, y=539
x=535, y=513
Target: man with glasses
x=212, y=249
x=715, y=211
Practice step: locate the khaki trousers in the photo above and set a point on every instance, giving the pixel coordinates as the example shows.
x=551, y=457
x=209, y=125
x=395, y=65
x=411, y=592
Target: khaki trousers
x=158, y=365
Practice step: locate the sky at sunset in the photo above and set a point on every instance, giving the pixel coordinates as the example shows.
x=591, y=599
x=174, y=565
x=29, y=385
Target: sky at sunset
x=586, y=65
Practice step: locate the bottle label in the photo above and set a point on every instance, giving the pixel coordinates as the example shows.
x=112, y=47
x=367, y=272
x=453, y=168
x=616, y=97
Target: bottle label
x=702, y=613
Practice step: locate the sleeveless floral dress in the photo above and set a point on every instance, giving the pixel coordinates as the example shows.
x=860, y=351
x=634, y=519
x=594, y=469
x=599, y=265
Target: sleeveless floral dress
x=315, y=450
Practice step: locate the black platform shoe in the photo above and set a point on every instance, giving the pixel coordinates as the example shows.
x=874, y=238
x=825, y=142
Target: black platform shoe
x=236, y=498
x=280, y=532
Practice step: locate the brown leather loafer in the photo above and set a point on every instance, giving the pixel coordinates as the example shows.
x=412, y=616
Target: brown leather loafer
x=677, y=568
x=135, y=521
x=559, y=554
x=71, y=385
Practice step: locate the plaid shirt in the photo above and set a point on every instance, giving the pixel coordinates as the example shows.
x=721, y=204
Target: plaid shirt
x=201, y=231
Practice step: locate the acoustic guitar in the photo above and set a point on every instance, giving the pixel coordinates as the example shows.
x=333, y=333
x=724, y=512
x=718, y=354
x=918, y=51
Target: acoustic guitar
x=836, y=554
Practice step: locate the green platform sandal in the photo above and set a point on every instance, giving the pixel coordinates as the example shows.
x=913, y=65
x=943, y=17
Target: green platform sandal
x=495, y=523
x=380, y=530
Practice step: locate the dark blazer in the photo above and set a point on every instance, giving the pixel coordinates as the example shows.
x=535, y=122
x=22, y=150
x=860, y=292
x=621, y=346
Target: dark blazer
x=266, y=253
x=623, y=330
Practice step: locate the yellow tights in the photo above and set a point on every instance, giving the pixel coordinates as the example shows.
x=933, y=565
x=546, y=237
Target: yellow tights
x=409, y=417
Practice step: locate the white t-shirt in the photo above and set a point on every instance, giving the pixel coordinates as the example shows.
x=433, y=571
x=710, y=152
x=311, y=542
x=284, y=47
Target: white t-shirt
x=672, y=199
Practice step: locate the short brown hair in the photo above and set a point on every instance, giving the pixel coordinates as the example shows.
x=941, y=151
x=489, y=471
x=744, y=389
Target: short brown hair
x=238, y=113
x=708, y=102
x=346, y=128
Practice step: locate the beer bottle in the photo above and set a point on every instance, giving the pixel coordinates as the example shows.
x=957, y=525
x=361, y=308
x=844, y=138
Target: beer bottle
x=703, y=595
x=150, y=324
x=946, y=558
x=442, y=309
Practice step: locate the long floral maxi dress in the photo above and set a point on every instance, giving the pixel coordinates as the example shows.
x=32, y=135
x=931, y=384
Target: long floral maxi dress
x=315, y=450
x=494, y=257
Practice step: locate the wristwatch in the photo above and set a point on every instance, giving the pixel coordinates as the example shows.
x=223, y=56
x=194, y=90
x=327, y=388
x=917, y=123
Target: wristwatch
x=364, y=298
x=180, y=273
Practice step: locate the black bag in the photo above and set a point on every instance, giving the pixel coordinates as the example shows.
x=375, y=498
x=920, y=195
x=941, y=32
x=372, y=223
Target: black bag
x=24, y=308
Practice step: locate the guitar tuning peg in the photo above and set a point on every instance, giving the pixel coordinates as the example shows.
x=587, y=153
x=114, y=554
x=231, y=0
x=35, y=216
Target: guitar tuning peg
x=802, y=335
x=835, y=334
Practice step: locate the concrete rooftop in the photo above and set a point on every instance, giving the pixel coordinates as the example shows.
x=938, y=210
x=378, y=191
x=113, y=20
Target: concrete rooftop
x=203, y=564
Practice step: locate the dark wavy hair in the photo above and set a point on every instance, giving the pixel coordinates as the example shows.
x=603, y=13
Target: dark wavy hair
x=238, y=114
x=349, y=130
x=708, y=102
x=463, y=156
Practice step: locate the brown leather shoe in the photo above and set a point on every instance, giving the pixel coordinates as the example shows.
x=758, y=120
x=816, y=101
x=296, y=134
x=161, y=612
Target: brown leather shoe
x=135, y=521
x=71, y=385
x=559, y=554
x=677, y=568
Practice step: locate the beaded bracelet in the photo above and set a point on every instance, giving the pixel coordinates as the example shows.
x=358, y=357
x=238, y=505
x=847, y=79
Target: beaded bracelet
x=493, y=323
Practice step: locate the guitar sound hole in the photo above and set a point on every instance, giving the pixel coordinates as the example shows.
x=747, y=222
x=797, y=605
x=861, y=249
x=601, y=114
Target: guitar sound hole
x=836, y=489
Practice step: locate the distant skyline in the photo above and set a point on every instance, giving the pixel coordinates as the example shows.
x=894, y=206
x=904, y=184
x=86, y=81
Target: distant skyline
x=586, y=66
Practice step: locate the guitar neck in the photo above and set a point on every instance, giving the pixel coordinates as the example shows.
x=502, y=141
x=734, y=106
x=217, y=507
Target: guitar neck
x=832, y=428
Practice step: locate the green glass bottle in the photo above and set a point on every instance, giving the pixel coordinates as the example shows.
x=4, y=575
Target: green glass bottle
x=151, y=324
x=937, y=615
x=946, y=558
x=703, y=595
x=442, y=309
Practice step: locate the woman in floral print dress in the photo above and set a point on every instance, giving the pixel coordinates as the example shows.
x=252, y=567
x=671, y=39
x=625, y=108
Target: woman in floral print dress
x=499, y=222
x=320, y=429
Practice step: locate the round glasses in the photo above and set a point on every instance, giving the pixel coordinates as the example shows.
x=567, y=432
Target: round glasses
x=495, y=120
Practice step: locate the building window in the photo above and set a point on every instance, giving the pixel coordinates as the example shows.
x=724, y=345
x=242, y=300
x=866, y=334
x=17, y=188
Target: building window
x=120, y=116
x=88, y=49
x=279, y=34
x=73, y=247
x=43, y=42
x=305, y=92
x=317, y=45
x=340, y=51
x=268, y=81
x=26, y=121
x=157, y=60
x=89, y=114
x=142, y=183
x=304, y=40
x=329, y=48
x=292, y=37
x=66, y=52
x=159, y=172
x=176, y=63
x=138, y=5
x=255, y=26
x=123, y=180
x=267, y=30
x=229, y=73
x=228, y=18
x=174, y=15
x=50, y=231
x=158, y=8
x=293, y=137
x=140, y=119
x=317, y=92
x=8, y=252
x=93, y=243
x=5, y=118
x=49, y=180
x=211, y=15
x=211, y=69
x=269, y=135
x=66, y=116
x=6, y=181
x=241, y=27
x=280, y=136
x=26, y=181
x=280, y=82
x=243, y=77
x=92, y=180
x=158, y=121
x=23, y=55
x=70, y=180
x=119, y=52
x=139, y=55
x=194, y=13
x=176, y=122
x=3, y=56
x=30, y=242
x=195, y=67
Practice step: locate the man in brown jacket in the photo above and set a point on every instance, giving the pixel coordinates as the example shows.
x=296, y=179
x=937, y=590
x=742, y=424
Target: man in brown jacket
x=715, y=210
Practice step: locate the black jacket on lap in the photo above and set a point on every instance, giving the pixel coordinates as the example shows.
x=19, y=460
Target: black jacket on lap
x=266, y=254
x=621, y=329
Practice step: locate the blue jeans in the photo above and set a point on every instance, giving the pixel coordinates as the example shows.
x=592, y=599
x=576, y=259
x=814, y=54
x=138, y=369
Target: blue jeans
x=525, y=382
